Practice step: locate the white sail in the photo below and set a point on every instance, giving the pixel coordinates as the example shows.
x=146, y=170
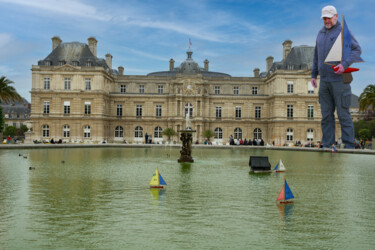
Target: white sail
x=281, y=166
x=335, y=54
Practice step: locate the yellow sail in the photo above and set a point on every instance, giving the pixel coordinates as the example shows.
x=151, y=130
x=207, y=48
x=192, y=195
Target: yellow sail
x=155, y=179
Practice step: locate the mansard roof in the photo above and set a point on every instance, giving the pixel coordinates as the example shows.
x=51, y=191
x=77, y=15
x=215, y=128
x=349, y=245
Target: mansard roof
x=189, y=67
x=300, y=57
x=73, y=53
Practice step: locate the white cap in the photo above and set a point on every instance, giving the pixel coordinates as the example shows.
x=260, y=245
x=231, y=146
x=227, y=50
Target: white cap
x=329, y=11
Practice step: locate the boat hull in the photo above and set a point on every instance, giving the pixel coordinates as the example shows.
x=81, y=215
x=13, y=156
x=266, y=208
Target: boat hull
x=156, y=186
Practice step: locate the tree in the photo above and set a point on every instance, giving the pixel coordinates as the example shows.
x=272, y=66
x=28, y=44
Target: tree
x=208, y=134
x=367, y=98
x=10, y=131
x=1, y=120
x=365, y=134
x=8, y=93
x=169, y=132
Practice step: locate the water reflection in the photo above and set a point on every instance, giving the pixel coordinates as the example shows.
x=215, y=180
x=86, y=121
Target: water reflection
x=286, y=212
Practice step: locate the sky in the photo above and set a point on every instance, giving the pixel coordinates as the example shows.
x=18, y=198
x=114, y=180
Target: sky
x=236, y=36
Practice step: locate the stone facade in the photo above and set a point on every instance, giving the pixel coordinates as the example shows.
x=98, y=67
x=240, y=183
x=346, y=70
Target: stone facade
x=82, y=99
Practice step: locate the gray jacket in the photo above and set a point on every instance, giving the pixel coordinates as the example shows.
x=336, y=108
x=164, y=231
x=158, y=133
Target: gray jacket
x=324, y=42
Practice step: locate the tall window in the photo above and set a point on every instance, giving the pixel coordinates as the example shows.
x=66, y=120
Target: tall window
x=87, y=108
x=158, y=110
x=66, y=131
x=217, y=90
x=119, y=132
x=158, y=132
x=67, y=83
x=46, y=82
x=310, y=134
x=289, y=111
x=289, y=134
x=218, y=112
x=138, y=111
x=237, y=133
x=290, y=88
x=254, y=90
x=238, y=112
x=46, y=108
x=67, y=107
x=258, y=112
x=45, y=131
x=160, y=89
x=189, y=107
x=236, y=90
x=88, y=84
x=310, y=88
x=258, y=133
x=310, y=111
x=123, y=88
x=141, y=89
x=138, y=132
x=87, y=131
x=119, y=110
x=218, y=133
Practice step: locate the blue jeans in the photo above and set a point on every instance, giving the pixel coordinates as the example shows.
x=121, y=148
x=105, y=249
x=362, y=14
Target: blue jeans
x=336, y=95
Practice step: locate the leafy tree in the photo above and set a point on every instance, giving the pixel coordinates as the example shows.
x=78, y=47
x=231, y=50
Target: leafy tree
x=208, y=134
x=169, y=132
x=24, y=129
x=367, y=98
x=1, y=120
x=10, y=131
x=370, y=125
x=8, y=93
x=365, y=134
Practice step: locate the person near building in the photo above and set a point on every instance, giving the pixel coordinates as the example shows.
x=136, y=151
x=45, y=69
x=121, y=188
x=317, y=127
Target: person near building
x=333, y=92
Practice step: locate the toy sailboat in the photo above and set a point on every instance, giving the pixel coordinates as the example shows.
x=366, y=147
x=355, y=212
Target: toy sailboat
x=279, y=167
x=157, y=181
x=333, y=149
x=341, y=48
x=285, y=194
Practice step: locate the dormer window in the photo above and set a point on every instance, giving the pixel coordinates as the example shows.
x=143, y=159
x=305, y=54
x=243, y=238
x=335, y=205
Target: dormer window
x=62, y=63
x=47, y=63
x=75, y=63
x=89, y=64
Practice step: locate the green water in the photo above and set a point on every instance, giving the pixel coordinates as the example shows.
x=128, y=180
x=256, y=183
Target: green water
x=100, y=199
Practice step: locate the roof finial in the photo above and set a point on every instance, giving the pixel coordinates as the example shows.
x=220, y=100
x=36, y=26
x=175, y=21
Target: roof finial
x=190, y=44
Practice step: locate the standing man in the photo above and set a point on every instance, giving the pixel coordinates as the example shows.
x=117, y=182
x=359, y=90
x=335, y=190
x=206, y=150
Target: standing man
x=333, y=92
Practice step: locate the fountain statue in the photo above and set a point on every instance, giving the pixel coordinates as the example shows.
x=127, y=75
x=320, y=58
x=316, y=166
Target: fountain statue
x=187, y=139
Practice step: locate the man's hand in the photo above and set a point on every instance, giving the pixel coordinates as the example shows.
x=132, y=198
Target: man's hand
x=313, y=82
x=339, y=69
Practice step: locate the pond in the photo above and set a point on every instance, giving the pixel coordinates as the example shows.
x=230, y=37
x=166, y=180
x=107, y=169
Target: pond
x=99, y=198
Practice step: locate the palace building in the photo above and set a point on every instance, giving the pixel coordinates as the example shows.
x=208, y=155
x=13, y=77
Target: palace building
x=79, y=97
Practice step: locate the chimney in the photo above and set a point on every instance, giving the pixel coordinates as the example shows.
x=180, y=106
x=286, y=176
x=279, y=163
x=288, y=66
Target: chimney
x=121, y=70
x=108, y=60
x=256, y=72
x=171, y=64
x=287, y=47
x=92, y=44
x=206, y=62
x=269, y=62
x=55, y=42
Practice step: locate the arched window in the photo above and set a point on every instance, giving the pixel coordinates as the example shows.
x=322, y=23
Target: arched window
x=289, y=134
x=66, y=131
x=237, y=133
x=310, y=134
x=45, y=130
x=218, y=133
x=87, y=131
x=138, y=132
x=189, y=106
x=119, y=132
x=158, y=132
x=258, y=133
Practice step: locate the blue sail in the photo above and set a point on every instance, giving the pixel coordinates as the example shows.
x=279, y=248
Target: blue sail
x=347, y=43
x=277, y=166
x=288, y=192
x=161, y=180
